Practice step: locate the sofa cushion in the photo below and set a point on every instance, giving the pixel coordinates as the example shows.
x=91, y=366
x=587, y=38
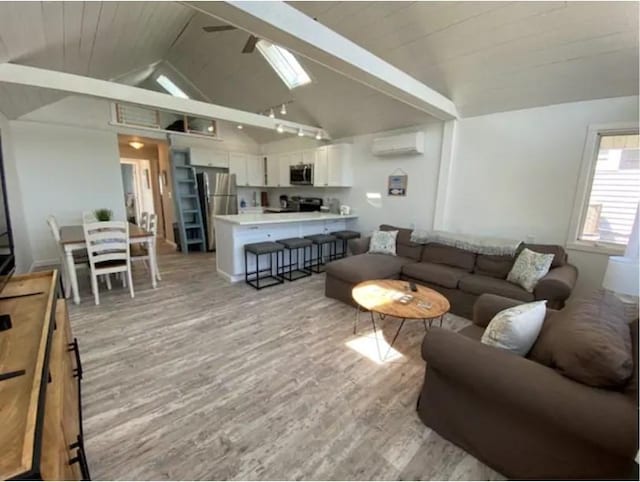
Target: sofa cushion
x=368, y=266
x=560, y=255
x=473, y=331
x=588, y=341
x=478, y=285
x=529, y=268
x=442, y=254
x=493, y=265
x=517, y=328
x=404, y=246
x=439, y=274
x=383, y=242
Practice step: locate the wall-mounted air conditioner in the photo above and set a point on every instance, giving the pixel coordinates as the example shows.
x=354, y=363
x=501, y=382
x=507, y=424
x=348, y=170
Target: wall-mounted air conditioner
x=399, y=145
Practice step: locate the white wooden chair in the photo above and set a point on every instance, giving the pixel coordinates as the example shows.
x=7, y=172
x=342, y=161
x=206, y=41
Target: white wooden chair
x=140, y=253
x=108, y=250
x=144, y=220
x=80, y=259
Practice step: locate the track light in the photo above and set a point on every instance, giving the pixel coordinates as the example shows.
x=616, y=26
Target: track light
x=280, y=128
x=283, y=109
x=300, y=133
x=272, y=114
x=318, y=135
x=240, y=126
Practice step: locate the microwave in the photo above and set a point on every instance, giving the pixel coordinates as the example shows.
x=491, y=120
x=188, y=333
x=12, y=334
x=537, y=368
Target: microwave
x=301, y=174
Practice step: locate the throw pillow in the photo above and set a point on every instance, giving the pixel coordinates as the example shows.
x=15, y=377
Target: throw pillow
x=383, y=242
x=529, y=268
x=516, y=329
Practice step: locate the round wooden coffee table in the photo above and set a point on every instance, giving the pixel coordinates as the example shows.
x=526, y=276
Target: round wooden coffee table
x=382, y=297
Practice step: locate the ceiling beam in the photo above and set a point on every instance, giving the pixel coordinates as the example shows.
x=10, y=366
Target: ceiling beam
x=80, y=85
x=286, y=26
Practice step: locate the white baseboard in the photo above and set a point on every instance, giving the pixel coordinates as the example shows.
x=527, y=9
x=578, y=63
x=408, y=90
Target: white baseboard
x=42, y=263
x=230, y=278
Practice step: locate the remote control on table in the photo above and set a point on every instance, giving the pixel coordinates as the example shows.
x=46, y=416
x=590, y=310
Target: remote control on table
x=412, y=286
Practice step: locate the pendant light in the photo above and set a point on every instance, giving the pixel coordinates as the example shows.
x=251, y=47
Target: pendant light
x=283, y=109
x=272, y=114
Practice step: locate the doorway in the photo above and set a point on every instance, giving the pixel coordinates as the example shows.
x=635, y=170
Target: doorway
x=146, y=181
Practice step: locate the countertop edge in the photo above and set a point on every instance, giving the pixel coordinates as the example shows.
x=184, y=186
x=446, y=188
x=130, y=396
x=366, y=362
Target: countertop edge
x=237, y=222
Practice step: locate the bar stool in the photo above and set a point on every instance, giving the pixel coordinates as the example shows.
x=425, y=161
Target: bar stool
x=320, y=241
x=259, y=249
x=295, y=245
x=343, y=238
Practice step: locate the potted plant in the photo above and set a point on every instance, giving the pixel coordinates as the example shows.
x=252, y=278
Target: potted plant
x=103, y=214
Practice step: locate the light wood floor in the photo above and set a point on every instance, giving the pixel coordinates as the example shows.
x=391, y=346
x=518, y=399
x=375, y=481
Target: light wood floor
x=200, y=379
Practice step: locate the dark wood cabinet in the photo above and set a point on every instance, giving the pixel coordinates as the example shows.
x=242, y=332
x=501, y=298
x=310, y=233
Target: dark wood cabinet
x=41, y=436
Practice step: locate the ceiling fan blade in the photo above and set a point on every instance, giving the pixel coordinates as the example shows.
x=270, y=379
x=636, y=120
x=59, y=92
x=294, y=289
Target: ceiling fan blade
x=250, y=46
x=219, y=28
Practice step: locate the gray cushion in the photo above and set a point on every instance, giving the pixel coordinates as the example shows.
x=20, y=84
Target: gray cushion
x=404, y=246
x=293, y=243
x=346, y=234
x=368, y=266
x=438, y=274
x=560, y=255
x=442, y=254
x=493, y=265
x=263, y=248
x=478, y=285
x=321, y=238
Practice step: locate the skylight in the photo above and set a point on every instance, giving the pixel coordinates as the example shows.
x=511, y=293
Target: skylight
x=168, y=85
x=284, y=63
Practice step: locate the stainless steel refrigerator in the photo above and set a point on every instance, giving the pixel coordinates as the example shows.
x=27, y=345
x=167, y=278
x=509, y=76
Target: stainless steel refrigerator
x=217, y=197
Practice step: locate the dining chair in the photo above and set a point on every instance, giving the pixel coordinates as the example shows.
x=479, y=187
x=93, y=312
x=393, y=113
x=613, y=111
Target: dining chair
x=144, y=220
x=108, y=249
x=140, y=252
x=80, y=259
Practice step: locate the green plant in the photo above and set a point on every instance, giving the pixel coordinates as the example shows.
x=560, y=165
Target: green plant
x=103, y=214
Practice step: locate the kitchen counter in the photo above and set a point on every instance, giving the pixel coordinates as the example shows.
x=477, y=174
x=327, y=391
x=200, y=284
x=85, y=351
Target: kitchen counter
x=274, y=218
x=235, y=231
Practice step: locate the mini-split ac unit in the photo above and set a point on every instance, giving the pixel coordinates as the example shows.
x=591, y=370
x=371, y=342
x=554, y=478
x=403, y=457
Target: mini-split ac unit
x=399, y=145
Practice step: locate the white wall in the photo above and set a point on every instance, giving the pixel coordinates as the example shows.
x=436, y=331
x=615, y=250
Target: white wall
x=514, y=174
x=15, y=200
x=64, y=171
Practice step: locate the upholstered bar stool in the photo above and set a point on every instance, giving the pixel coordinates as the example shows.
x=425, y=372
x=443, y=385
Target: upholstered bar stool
x=342, y=240
x=293, y=270
x=320, y=241
x=255, y=277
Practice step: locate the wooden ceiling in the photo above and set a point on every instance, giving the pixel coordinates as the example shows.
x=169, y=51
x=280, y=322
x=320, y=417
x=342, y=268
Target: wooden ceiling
x=485, y=56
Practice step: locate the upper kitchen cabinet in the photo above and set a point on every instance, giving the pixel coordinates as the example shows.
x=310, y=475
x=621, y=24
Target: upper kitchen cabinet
x=209, y=157
x=333, y=166
x=248, y=168
x=238, y=166
x=255, y=170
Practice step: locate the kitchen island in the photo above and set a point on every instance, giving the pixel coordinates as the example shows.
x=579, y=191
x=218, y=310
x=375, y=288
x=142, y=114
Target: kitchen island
x=235, y=230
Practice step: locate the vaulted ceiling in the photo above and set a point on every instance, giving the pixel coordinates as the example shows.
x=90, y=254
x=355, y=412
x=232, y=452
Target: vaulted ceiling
x=485, y=56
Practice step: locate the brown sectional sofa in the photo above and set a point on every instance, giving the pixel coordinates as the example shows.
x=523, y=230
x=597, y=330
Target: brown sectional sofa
x=569, y=410
x=459, y=275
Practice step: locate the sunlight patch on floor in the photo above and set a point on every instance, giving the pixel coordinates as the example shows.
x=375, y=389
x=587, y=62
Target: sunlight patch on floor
x=375, y=348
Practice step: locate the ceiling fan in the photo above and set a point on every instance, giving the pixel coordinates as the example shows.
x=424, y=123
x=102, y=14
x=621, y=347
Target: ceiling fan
x=248, y=48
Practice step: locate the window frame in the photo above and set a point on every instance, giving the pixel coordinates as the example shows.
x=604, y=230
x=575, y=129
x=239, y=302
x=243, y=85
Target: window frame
x=263, y=47
x=172, y=86
x=585, y=185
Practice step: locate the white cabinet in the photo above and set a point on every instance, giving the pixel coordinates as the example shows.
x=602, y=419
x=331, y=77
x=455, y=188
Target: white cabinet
x=209, y=157
x=273, y=171
x=238, y=166
x=339, y=169
x=255, y=170
x=248, y=168
x=333, y=166
x=285, y=171
x=320, y=170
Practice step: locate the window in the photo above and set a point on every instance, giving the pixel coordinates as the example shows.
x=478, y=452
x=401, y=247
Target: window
x=168, y=85
x=610, y=189
x=284, y=63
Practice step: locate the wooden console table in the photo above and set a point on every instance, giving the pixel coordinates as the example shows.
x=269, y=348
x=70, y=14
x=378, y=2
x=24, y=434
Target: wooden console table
x=40, y=376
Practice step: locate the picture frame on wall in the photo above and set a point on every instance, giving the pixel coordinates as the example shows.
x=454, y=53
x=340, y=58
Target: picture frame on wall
x=397, y=185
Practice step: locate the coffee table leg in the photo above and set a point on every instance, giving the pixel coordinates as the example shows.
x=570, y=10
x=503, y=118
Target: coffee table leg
x=441, y=317
x=395, y=338
x=424, y=322
x=373, y=322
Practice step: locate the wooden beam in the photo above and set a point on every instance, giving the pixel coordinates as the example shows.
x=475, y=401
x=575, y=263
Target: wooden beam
x=284, y=25
x=77, y=84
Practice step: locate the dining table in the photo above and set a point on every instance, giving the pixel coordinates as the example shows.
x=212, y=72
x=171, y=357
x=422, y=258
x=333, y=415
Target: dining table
x=72, y=239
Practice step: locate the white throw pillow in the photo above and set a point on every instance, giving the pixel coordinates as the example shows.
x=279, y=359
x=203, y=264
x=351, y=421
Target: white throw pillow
x=383, y=242
x=516, y=329
x=529, y=268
